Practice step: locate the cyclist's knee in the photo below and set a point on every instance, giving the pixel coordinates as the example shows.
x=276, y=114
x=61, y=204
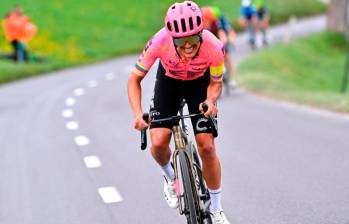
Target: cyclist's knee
x=159, y=144
x=206, y=149
x=160, y=138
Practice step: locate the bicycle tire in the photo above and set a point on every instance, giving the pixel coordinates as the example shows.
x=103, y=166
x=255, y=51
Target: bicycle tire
x=202, y=186
x=189, y=193
x=197, y=165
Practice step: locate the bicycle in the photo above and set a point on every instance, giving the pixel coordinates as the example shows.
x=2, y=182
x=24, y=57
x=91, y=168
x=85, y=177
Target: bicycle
x=191, y=189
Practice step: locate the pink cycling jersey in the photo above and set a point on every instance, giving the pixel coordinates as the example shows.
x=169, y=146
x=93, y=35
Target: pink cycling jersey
x=210, y=55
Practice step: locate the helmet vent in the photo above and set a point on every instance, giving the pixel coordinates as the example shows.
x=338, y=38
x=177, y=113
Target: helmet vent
x=188, y=4
x=173, y=7
x=198, y=20
x=176, y=26
x=184, y=28
x=169, y=26
x=191, y=24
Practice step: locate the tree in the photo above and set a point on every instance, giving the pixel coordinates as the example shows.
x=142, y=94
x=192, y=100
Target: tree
x=336, y=15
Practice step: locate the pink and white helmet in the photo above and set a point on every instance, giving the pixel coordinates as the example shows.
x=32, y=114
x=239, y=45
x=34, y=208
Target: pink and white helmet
x=184, y=19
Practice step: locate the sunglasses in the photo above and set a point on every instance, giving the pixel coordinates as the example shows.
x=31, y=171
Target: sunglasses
x=180, y=42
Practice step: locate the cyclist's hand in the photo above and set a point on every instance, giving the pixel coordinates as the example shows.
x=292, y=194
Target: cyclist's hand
x=212, y=109
x=139, y=123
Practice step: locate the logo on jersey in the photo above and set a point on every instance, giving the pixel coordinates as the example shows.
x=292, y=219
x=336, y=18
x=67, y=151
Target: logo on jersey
x=150, y=42
x=193, y=73
x=179, y=72
x=193, y=8
x=198, y=63
x=173, y=63
x=201, y=124
x=154, y=113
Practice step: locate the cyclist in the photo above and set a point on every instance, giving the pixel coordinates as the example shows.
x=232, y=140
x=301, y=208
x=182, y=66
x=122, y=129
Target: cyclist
x=248, y=20
x=263, y=18
x=191, y=67
x=218, y=24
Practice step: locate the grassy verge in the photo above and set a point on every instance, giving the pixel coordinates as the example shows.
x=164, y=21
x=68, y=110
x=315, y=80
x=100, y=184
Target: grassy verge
x=77, y=32
x=307, y=71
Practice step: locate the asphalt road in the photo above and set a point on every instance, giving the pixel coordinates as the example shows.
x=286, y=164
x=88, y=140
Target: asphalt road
x=69, y=153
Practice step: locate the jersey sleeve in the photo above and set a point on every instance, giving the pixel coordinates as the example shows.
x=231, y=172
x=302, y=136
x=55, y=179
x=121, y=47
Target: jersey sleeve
x=148, y=56
x=217, y=64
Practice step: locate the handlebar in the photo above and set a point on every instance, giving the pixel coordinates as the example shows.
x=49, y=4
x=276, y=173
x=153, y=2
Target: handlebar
x=211, y=122
x=144, y=132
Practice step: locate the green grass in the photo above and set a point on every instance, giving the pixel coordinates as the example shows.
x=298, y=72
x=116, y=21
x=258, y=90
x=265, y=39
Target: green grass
x=307, y=71
x=77, y=32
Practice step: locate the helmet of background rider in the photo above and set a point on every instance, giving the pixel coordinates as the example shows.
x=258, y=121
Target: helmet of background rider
x=183, y=19
x=246, y=3
x=208, y=16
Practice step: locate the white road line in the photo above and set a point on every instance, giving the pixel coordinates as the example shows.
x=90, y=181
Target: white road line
x=92, y=162
x=79, y=92
x=92, y=83
x=82, y=140
x=110, y=195
x=67, y=113
x=70, y=101
x=109, y=76
x=72, y=125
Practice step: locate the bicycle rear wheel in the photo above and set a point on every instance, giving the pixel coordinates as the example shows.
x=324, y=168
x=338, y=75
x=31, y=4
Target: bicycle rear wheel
x=189, y=193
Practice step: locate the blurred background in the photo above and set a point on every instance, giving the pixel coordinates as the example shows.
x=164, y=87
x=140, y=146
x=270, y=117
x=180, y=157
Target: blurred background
x=68, y=150
x=70, y=33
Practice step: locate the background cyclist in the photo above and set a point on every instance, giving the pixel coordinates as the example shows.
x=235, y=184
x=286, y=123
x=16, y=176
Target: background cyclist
x=191, y=67
x=263, y=18
x=248, y=20
x=219, y=25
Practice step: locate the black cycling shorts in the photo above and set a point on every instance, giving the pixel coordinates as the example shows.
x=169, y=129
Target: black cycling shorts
x=169, y=94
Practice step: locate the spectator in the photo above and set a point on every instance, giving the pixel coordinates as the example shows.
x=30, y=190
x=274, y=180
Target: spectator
x=18, y=30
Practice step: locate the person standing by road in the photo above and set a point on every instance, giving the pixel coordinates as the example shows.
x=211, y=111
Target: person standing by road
x=191, y=67
x=18, y=30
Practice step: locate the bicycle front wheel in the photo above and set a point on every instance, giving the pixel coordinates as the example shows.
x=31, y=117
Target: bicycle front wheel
x=189, y=193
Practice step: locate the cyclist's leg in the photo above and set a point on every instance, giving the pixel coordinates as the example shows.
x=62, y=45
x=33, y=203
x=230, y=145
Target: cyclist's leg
x=265, y=24
x=251, y=29
x=259, y=18
x=160, y=150
x=211, y=167
x=197, y=93
x=166, y=102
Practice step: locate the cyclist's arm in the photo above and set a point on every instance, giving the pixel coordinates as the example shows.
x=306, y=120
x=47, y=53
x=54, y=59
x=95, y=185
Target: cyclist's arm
x=214, y=90
x=216, y=69
x=141, y=68
x=134, y=90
